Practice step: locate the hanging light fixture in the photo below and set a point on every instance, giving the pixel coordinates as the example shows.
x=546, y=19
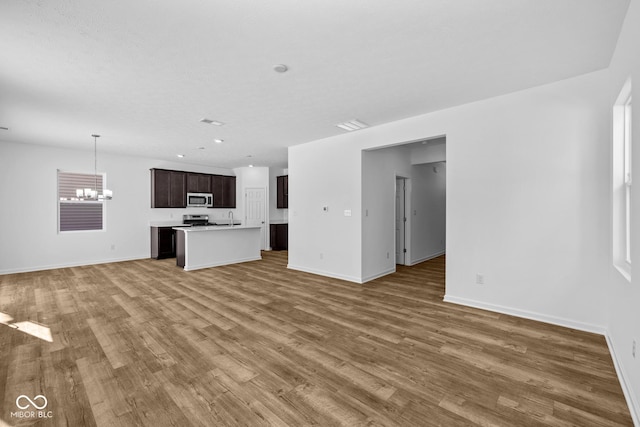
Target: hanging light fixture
x=94, y=193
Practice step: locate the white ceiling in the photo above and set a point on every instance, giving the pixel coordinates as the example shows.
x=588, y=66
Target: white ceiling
x=143, y=73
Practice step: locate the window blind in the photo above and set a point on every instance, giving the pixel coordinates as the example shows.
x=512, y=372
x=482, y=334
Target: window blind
x=69, y=182
x=74, y=213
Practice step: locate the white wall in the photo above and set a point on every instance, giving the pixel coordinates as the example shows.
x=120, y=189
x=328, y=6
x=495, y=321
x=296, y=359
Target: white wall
x=429, y=151
x=526, y=182
x=624, y=306
x=428, y=211
x=28, y=213
x=328, y=243
x=379, y=171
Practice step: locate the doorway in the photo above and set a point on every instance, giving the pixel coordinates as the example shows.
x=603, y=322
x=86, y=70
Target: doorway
x=401, y=221
x=255, y=212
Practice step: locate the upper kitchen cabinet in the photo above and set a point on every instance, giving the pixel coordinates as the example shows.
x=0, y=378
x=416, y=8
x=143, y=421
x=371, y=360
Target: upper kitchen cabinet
x=282, y=199
x=224, y=191
x=168, y=189
x=198, y=183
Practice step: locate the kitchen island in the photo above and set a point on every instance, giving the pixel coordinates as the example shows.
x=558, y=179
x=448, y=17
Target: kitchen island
x=212, y=246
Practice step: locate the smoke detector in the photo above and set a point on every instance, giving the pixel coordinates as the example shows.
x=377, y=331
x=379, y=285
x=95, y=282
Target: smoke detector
x=280, y=68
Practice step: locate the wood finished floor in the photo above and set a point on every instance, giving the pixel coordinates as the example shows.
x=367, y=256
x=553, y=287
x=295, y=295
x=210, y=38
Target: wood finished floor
x=145, y=343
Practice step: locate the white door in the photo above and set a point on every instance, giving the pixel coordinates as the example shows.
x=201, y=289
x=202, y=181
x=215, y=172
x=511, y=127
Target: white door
x=255, y=212
x=400, y=221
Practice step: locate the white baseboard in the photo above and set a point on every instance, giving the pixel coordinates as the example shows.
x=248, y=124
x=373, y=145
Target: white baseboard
x=629, y=395
x=632, y=401
x=325, y=273
x=427, y=258
x=378, y=275
x=72, y=264
x=560, y=321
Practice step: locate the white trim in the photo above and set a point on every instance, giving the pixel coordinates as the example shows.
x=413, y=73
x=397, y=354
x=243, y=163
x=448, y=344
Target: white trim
x=326, y=274
x=625, y=270
x=72, y=264
x=560, y=321
x=632, y=401
x=378, y=275
x=630, y=397
x=427, y=258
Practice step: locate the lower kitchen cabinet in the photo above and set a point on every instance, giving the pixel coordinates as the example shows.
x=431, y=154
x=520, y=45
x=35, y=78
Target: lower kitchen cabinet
x=163, y=242
x=279, y=236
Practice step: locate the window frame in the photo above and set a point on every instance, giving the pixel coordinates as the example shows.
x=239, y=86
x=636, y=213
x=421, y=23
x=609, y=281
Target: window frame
x=73, y=201
x=622, y=181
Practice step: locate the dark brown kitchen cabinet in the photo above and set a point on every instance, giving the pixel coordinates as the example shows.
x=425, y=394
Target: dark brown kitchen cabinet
x=282, y=199
x=163, y=242
x=224, y=191
x=168, y=189
x=198, y=183
x=279, y=236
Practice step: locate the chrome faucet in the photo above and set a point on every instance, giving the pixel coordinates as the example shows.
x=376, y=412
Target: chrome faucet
x=230, y=216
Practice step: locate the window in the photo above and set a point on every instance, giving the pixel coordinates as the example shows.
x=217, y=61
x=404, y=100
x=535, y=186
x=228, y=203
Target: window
x=622, y=181
x=76, y=213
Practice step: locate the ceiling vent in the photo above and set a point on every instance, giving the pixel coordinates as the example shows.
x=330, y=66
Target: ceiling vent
x=352, y=125
x=211, y=122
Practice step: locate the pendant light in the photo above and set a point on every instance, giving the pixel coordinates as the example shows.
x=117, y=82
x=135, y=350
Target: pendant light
x=94, y=193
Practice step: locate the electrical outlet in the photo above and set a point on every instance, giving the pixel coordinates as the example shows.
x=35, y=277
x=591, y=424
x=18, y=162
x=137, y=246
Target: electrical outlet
x=479, y=279
x=113, y=247
x=633, y=349
x=387, y=255
x=321, y=255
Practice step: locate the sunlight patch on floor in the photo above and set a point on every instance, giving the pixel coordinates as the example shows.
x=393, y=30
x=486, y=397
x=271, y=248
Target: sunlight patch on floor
x=32, y=328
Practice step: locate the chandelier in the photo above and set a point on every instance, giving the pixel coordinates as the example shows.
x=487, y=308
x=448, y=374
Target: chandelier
x=94, y=193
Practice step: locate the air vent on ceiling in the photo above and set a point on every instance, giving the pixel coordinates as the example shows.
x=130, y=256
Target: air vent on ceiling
x=352, y=125
x=211, y=122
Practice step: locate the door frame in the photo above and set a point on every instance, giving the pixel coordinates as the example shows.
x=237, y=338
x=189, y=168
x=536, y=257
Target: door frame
x=407, y=215
x=264, y=235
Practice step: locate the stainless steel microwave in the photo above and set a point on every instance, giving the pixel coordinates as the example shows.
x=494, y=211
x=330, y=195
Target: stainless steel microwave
x=200, y=200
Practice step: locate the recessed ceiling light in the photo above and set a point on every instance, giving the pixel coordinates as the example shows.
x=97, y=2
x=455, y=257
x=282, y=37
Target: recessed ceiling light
x=180, y=155
x=352, y=125
x=211, y=122
x=250, y=166
x=280, y=68
x=200, y=148
x=218, y=141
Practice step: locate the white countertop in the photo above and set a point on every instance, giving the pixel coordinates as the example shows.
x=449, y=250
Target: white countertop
x=216, y=228
x=165, y=223
x=279, y=221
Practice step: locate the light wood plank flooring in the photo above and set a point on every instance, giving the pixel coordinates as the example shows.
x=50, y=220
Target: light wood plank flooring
x=143, y=343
